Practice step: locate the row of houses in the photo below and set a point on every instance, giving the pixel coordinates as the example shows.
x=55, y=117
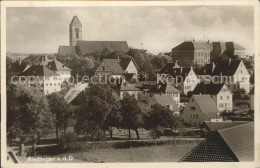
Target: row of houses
x=47, y=74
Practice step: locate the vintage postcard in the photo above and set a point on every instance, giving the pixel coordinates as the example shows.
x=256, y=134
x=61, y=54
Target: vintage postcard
x=133, y=84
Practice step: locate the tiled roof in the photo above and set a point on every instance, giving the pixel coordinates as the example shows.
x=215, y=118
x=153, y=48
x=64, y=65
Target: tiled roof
x=116, y=66
x=38, y=70
x=193, y=45
x=207, y=105
x=113, y=65
x=165, y=100
x=19, y=67
x=227, y=145
x=89, y=47
x=74, y=19
x=213, y=126
x=164, y=88
x=212, y=89
x=206, y=70
x=66, y=50
x=240, y=140
x=226, y=67
x=211, y=149
x=233, y=45
x=175, y=72
x=129, y=87
x=56, y=65
x=75, y=91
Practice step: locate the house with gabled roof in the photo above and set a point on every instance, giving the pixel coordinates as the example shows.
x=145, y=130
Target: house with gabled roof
x=128, y=88
x=117, y=67
x=199, y=109
x=184, y=79
x=165, y=100
x=59, y=68
x=165, y=89
x=220, y=94
x=233, y=73
x=233, y=144
x=41, y=77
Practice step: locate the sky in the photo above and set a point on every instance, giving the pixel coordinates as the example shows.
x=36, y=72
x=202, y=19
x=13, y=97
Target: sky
x=159, y=28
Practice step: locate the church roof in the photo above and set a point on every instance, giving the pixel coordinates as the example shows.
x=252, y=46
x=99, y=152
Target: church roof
x=89, y=47
x=74, y=19
x=66, y=50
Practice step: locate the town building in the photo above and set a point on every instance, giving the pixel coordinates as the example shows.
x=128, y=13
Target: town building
x=220, y=94
x=233, y=144
x=128, y=88
x=117, y=68
x=42, y=77
x=18, y=66
x=165, y=100
x=184, y=79
x=59, y=68
x=233, y=73
x=199, y=109
x=82, y=47
x=165, y=89
x=190, y=53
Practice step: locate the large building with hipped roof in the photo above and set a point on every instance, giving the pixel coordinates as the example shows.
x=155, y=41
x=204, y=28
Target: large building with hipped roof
x=190, y=53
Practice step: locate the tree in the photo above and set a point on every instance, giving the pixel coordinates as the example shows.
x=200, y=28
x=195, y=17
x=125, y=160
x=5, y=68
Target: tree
x=100, y=108
x=28, y=114
x=61, y=110
x=159, y=116
x=131, y=114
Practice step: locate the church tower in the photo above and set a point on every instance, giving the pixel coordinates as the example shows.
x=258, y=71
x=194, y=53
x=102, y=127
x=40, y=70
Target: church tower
x=75, y=31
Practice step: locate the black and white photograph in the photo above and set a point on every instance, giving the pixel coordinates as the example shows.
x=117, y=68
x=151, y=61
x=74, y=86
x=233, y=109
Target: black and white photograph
x=109, y=83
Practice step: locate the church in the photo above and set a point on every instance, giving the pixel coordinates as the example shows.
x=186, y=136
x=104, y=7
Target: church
x=82, y=47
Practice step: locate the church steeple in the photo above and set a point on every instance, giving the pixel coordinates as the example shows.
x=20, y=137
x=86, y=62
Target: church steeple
x=75, y=31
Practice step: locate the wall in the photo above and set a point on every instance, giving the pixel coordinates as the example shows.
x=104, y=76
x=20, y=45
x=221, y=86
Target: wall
x=131, y=68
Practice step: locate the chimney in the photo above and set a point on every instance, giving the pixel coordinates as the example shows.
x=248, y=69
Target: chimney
x=208, y=42
x=191, y=68
x=181, y=69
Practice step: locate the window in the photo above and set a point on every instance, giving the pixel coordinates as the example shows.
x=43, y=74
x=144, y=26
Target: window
x=228, y=97
x=220, y=97
x=77, y=33
x=192, y=108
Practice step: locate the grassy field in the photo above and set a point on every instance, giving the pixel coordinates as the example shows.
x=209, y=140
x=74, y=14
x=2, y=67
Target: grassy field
x=162, y=153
